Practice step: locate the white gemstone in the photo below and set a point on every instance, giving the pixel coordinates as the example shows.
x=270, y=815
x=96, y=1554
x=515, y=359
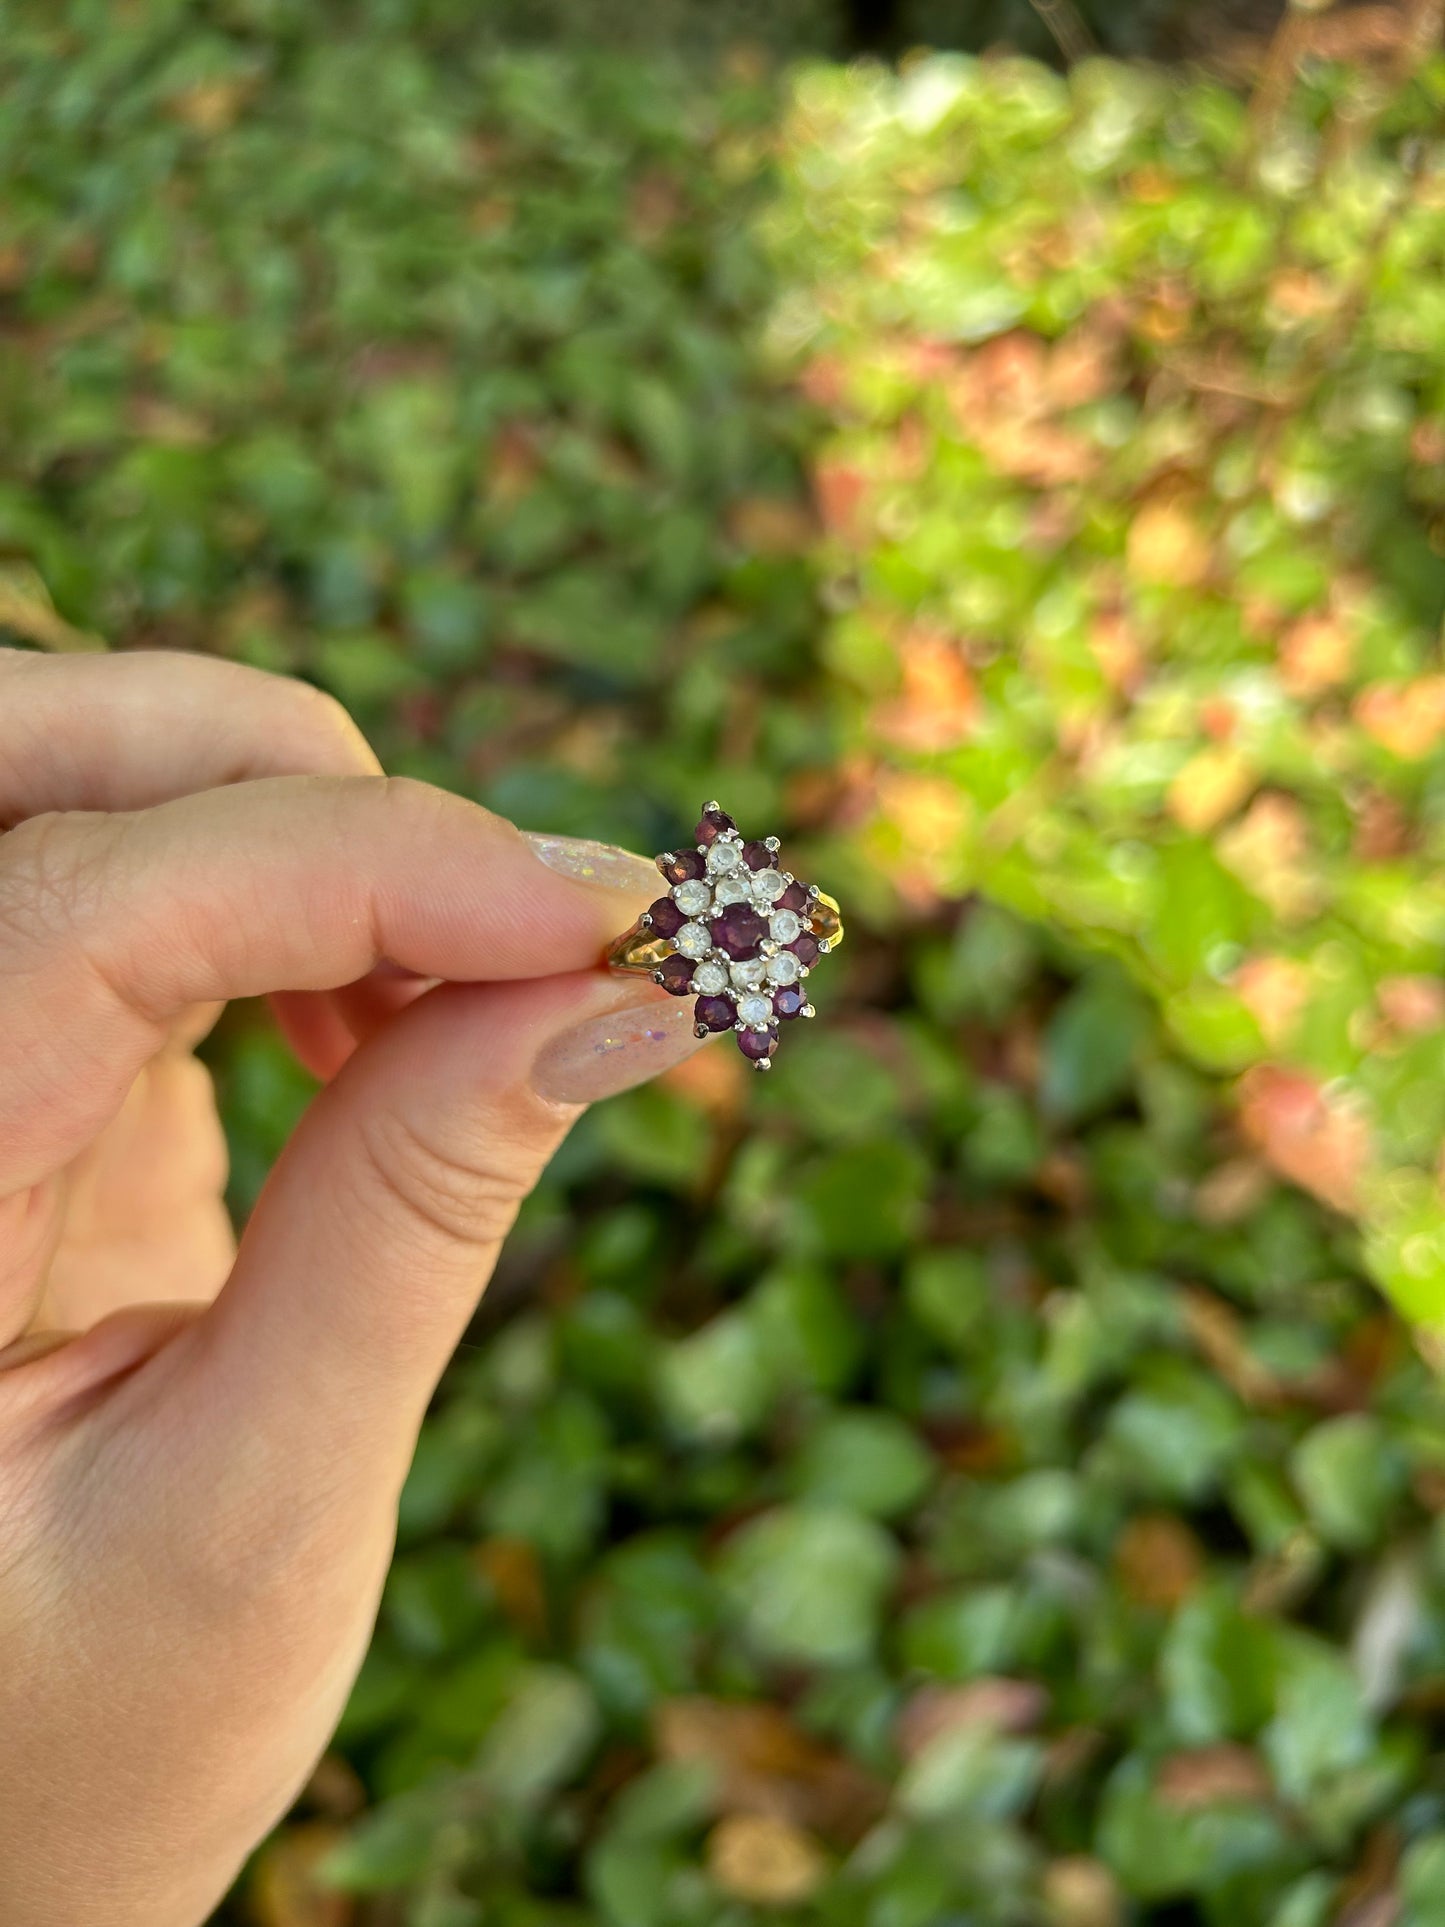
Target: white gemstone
x=730, y=890
x=693, y=940
x=755, y=1010
x=709, y=978
x=693, y=898
x=723, y=857
x=785, y=925
x=784, y=968
x=768, y=886
x=747, y=976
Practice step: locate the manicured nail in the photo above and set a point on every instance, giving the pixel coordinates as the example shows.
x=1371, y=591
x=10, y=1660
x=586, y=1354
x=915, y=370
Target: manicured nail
x=603, y=863
x=611, y=1053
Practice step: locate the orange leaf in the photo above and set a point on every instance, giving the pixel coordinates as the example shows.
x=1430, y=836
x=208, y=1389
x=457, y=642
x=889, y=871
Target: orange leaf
x=763, y=1860
x=766, y=1765
x=211, y=106
x=841, y=487
x=1314, y=1140
x=1118, y=650
x=771, y=524
x=1004, y=1705
x=514, y=1573
x=1208, y=1775
x=715, y=1081
x=1081, y=1892
x=1218, y=1332
x=1269, y=850
x=1167, y=546
x=1413, y=1004
x=1210, y=787
x=1231, y=1192
x=1407, y=718
x=1315, y=654
x=1159, y=1561
x=825, y=381
x=939, y=703
x=1274, y=990
x=514, y=462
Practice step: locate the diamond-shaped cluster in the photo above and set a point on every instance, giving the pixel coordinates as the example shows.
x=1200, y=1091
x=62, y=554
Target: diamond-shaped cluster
x=744, y=934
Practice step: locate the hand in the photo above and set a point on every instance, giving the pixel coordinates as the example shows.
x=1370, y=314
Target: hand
x=201, y=1449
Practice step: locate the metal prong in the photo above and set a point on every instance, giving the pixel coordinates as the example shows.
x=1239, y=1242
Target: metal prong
x=699, y=1030
x=646, y=919
x=772, y=843
x=657, y=977
x=808, y=1011
x=814, y=890
x=712, y=804
x=668, y=856
x=763, y=1063
x=825, y=944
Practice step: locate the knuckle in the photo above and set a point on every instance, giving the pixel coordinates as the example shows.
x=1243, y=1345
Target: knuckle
x=464, y=1200
x=427, y=808
x=331, y=727
x=53, y=872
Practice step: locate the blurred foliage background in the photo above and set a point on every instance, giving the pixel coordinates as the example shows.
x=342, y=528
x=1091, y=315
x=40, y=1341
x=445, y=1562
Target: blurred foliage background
x=970, y=1478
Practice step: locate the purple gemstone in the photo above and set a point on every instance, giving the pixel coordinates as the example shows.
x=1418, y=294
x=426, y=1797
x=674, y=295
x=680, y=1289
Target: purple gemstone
x=675, y=975
x=757, y=1043
x=739, y=931
x=712, y=824
x=758, y=856
x=667, y=919
x=795, y=897
x=789, y=1001
x=806, y=950
x=715, y=1013
x=685, y=864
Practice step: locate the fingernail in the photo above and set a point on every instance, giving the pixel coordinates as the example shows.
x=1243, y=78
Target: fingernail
x=613, y=1052
x=603, y=863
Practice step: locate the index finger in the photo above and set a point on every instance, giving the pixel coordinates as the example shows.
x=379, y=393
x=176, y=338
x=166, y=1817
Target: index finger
x=111, y=924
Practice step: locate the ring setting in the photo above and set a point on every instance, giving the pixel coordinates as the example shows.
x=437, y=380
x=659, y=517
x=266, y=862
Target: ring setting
x=736, y=931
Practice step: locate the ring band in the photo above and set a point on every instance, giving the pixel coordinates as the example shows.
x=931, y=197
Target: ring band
x=736, y=931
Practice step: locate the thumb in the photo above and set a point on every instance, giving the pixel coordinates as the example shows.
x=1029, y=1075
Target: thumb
x=364, y=1259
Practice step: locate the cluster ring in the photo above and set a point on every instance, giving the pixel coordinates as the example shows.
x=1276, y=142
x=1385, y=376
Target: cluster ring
x=736, y=931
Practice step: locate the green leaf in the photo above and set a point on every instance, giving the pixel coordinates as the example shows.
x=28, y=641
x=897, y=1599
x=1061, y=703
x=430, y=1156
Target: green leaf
x=540, y=1738
x=1349, y=1473
x=1089, y=1049
x=864, y=1461
x=718, y=1384
x=807, y=1583
x=864, y=1201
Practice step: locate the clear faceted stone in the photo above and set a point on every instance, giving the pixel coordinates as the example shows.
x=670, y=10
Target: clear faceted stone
x=768, y=886
x=785, y=925
x=710, y=978
x=755, y=1009
x=784, y=968
x=731, y=889
x=693, y=940
x=693, y=897
x=723, y=857
x=747, y=976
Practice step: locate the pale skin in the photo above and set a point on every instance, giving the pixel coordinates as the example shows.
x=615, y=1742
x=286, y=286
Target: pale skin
x=201, y=1448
